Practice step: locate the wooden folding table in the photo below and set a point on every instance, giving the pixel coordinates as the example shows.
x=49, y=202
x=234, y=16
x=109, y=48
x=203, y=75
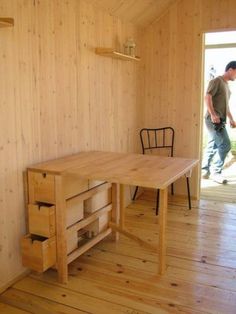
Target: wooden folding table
x=117, y=169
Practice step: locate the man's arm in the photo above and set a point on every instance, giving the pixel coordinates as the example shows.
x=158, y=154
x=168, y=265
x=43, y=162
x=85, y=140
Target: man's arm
x=214, y=117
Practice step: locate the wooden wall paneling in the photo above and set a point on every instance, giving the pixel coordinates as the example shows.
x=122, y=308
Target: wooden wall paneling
x=144, y=74
x=26, y=95
x=139, y=12
x=218, y=15
x=140, y=94
x=230, y=15
x=45, y=60
x=172, y=67
x=116, y=83
x=184, y=82
x=131, y=108
x=100, y=95
x=83, y=79
x=179, y=99
x=163, y=77
x=3, y=169
x=26, y=123
x=66, y=73
x=9, y=223
x=185, y=104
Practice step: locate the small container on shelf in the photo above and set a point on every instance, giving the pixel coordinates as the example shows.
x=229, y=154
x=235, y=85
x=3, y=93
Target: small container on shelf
x=129, y=47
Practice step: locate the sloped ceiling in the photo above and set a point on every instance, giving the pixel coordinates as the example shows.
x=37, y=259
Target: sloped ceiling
x=139, y=12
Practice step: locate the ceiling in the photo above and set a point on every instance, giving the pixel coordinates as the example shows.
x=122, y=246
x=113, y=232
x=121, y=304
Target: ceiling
x=139, y=12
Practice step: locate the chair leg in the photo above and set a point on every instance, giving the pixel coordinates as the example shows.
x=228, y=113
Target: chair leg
x=135, y=192
x=189, y=197
x=157, y=203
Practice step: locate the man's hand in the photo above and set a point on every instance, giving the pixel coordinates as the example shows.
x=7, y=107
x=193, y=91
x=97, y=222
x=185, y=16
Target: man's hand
x=215, y=118
x=232, y=124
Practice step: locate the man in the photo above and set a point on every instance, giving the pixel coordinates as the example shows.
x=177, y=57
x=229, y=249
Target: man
x=217, y=102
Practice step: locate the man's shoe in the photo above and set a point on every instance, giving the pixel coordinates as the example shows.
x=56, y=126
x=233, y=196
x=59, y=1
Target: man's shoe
x=205, y=174
x=217, y=177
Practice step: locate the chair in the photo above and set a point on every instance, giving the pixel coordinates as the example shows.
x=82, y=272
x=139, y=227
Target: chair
x=160, y=140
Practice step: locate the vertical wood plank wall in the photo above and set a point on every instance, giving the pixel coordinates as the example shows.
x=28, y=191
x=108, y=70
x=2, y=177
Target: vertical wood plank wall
x=172, y=75
x=58, y=97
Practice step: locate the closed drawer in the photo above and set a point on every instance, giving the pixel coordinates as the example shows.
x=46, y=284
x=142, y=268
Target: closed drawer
x=38, y=253
x=42, y=220
x=73, y=186
x=97, y=201
x=41, y=187
x=94, y=183
x=74, y=211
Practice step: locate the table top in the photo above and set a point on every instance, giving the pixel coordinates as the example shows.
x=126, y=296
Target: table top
x=124, y=168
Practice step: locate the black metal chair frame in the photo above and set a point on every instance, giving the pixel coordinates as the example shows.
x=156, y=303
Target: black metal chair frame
x=160, y=143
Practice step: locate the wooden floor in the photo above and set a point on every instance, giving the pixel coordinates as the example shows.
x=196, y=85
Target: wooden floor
x=221, y=192
x=121, y=278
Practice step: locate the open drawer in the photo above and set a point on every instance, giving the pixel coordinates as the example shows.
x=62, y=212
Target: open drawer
x=42, y=219
x=38, y=253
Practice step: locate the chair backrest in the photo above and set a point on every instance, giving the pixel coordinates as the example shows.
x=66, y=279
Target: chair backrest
x=154, y=140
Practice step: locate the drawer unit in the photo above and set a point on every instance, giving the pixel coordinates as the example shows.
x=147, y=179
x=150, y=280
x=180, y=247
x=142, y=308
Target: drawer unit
x=97, y=201
x=41, y=187
x=42, y=220
x=67, y=213
x=38, y=253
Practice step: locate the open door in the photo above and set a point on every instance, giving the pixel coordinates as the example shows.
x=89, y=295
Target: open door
x=219, y=50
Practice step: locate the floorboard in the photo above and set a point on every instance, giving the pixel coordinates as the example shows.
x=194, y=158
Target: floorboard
x=221, y=192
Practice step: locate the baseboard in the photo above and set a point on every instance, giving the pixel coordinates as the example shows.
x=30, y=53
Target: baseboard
x=13, y=281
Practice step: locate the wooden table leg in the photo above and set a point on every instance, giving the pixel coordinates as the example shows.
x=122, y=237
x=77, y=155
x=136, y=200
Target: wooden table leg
x=62, y=267
x=162, y=218
x=122, y=205
x=115, y=208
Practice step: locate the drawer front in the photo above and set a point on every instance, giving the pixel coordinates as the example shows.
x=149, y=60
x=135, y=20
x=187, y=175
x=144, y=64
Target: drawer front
x=97, y=201
x=72, y=242
x=74, y=211
x=73, y=186
x=41, y=187
x=42, y=220
x=38, y=253
x=94, y=183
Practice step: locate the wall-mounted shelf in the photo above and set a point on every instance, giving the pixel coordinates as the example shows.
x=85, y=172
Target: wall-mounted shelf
x=109, y=52
x=6, y=21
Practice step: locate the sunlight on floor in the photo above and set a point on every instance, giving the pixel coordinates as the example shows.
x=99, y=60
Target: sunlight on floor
x=221, y=192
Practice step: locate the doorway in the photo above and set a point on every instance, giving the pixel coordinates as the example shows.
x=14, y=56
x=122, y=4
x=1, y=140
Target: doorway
x=220, y=49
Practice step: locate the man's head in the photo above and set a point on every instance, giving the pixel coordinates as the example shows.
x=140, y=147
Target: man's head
x=230, y=71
